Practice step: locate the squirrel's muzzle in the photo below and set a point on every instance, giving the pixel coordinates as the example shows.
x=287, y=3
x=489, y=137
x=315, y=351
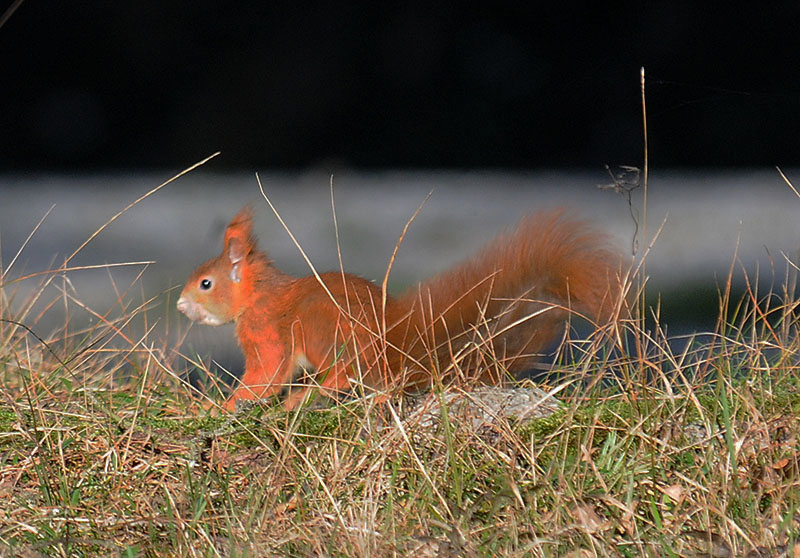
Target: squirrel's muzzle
x=197, y=313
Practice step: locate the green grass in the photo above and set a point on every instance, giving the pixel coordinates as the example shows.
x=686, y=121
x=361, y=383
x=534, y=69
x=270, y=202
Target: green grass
x=656, y=451
x=641, y=464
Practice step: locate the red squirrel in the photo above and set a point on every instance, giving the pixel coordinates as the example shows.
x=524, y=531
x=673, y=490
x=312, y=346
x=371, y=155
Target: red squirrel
x=335, y=331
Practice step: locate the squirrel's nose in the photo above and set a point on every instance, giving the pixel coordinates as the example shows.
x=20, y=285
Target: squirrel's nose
x=183, y=305
x=189, y=309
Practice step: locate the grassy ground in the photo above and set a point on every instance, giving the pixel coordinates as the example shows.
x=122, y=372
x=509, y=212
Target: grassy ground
x=656, y=451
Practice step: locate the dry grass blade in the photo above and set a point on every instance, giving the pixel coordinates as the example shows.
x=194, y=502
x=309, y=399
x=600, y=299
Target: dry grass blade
x=385, y=282
x=136, y=202
x=9, y=12
x=297, y=244
x=3, y=273
x=788, y=182
x=51, y=272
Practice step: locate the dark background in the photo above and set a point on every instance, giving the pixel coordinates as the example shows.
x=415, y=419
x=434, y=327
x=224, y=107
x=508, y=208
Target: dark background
x=151, y=84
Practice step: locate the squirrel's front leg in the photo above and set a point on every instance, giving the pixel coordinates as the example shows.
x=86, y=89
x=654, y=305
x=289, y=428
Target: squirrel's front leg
x=291, y=380
x=266, y=374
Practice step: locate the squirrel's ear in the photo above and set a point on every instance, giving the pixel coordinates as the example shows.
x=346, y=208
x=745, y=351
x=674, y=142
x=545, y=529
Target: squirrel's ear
x=239, y=241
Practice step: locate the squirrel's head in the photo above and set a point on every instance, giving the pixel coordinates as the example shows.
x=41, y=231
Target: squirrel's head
x=214, y=292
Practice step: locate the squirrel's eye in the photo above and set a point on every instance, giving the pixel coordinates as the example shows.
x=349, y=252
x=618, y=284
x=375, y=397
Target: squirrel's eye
x=205, y=284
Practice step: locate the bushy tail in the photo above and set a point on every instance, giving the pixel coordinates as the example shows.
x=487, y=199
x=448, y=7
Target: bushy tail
x=515, y=292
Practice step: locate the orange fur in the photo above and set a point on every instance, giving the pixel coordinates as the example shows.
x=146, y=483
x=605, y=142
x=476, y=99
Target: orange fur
x=295, y=333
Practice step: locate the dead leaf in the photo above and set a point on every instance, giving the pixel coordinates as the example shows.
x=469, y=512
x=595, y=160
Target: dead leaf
x=588, y=519
x=675, y=492
x=780, y=463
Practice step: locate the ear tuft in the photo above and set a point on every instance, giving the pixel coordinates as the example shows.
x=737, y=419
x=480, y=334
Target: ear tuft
x=239, y=240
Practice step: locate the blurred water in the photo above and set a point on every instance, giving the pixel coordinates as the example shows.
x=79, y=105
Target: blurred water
x=704, y=219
